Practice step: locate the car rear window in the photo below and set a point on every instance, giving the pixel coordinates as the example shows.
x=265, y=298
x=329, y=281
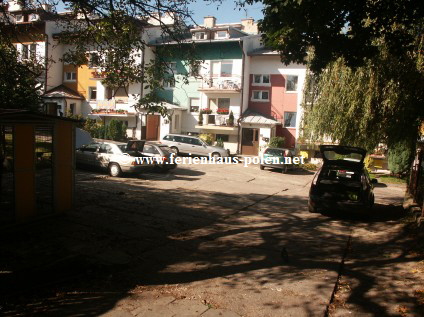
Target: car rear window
x=340, y=174
x=274, y=152
x=165, y=149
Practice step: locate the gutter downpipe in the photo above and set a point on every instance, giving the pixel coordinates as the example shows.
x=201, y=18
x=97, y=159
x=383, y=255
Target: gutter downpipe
x=241, y=99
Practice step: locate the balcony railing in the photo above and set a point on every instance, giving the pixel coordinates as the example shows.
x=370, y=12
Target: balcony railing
x=230, y=84
x=219, y=120
x=112, y=106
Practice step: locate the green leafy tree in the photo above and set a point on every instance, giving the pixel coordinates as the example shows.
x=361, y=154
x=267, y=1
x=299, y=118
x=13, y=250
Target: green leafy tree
x=367, y=62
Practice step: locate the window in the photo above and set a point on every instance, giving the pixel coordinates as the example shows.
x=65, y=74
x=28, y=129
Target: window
x=222, y=137
x=172, y=68
x=148, y=148
x=72, y=107
x=200, y=35
x=261, y=79
x=194, y=70
x=169, y=83
x=33, y=17
x=291, y=83
x=260, y=95
x=93, y=60
x=19, y=18
x=92, y=93
x=70, y=76
x=24, y=51
x=289, y=119
x=226, y=69
x=221, y=34
x=223, y=103
x=33, y=50
x=222, y=69
x=105, y=148
x=195, y=142
x=194, y=104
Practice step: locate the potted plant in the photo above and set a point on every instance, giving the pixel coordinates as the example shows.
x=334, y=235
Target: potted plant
x=205, y=113
x=231, y=119
x=200, y=118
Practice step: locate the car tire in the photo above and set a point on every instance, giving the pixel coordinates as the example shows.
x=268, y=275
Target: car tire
x=175, y=149
x=115, y=170
x=261, y=167
x=216, y=155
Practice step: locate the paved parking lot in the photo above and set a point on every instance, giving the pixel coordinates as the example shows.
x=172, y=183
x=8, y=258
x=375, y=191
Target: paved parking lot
x=204, y=240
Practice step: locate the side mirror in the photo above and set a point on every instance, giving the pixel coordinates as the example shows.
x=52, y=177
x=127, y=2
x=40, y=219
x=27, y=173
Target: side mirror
x=374, y=181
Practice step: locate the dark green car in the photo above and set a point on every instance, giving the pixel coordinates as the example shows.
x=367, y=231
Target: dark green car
x=278, y=158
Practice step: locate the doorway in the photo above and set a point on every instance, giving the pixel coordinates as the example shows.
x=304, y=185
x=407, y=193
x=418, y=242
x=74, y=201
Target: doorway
x=250, y=141
x=152, y=127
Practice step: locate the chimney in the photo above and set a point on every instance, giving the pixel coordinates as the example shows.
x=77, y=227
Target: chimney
x=249, y=26
x=209, y=21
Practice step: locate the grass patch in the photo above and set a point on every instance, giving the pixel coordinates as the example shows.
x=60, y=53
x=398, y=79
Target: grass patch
x=388, y=179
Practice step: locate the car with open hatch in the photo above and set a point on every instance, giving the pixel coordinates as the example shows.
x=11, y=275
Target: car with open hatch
x=188, y=144
x=278, y=158
x=342, y=182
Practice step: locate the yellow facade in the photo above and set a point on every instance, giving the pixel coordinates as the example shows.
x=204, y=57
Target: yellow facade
x=84, y=79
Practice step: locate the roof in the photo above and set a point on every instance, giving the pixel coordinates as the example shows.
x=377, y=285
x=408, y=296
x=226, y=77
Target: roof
x=263, y=52
x=253, y=117
x=20, y=115
x=62, y=91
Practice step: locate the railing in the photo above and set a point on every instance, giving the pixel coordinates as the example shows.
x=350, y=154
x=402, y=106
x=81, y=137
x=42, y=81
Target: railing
x=118, y=106
x=221, y=83
x=219, y=120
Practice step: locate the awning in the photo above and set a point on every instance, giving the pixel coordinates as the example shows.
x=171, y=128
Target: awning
x=252, y=117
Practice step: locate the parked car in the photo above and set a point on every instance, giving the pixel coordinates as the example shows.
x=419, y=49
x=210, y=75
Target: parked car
x=342, y=182
x=278, y=156
x=110, y=156
x=161, y=153
x=187, y=144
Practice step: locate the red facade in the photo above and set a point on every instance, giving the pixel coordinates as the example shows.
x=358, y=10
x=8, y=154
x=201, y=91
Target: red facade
x=279, y=101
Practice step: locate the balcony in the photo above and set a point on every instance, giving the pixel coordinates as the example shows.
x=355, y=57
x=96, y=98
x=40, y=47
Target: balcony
x=221, y=85
x=218, y=122
x=112, y=107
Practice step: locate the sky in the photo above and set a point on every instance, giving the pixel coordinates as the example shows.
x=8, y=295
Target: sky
x=226, y=12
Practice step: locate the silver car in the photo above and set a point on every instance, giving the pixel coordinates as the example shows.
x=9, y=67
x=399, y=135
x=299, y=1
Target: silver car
x=110, y=156
x=187, y=144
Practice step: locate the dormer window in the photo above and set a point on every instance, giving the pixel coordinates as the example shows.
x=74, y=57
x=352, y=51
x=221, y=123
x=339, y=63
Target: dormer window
x=221, y=34
x=33, y=17
x=19, y=18
x=200, y=36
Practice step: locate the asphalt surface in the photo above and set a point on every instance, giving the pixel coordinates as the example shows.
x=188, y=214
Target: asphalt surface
x=210, y=240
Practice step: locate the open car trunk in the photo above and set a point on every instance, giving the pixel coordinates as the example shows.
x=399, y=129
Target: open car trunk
x=339, y=184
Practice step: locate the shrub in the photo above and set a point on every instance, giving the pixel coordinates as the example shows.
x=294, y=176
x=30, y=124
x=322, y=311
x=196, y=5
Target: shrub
x=207, y=137
x=219, y=143
x=400, y=156
x=309, y=166
x=116, y=130
x=277, y=141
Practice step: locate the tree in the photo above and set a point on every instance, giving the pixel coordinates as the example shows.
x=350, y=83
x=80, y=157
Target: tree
x=400, y=156
x=367, y=62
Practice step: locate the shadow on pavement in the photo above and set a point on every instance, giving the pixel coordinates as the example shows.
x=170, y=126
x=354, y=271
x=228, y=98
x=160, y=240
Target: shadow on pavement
x=84, y=262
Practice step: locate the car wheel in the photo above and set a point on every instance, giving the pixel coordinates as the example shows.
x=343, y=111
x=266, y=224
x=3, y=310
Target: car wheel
x=175, y=149
x=261, y=167
x=115, y=170
x=371, y=202
x=216, y=155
